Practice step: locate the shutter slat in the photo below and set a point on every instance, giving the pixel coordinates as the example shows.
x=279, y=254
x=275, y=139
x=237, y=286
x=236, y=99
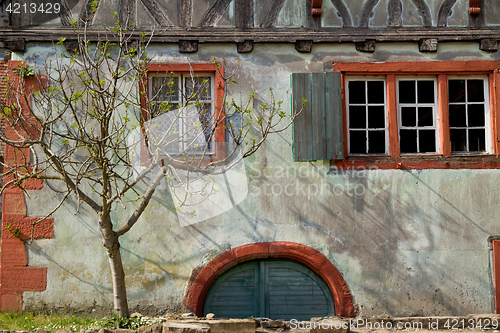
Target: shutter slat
x=317, y=103
x=302, y=125
x=334, y=131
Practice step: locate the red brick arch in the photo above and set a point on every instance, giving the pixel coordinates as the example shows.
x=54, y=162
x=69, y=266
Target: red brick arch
x=202, y=280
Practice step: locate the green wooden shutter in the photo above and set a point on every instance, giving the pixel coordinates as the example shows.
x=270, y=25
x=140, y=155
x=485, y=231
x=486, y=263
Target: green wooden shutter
x=318, y=129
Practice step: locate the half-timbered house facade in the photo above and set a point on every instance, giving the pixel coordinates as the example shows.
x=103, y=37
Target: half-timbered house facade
x=382, y=199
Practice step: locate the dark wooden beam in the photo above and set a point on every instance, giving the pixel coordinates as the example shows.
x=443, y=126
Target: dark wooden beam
x=17, y=45
x=271, y=35
x=244, y=13
x=186, y=13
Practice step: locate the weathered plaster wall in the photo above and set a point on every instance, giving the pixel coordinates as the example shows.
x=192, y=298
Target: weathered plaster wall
x=406, y=242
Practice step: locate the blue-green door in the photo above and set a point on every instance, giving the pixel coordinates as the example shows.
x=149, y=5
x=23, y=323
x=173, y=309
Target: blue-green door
x=271, y=288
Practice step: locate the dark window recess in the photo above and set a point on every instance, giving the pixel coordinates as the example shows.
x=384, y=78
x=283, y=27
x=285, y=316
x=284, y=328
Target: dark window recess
x=417, y=133
x=467, y=115
x=367, y=119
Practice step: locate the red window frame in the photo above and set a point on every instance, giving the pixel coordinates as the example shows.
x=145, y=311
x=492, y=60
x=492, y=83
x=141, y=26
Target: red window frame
x=182, y=68
x=440, y=69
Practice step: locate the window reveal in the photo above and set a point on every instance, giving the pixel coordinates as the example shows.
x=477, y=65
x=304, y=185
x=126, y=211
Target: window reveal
x=417, y=113
x=366, y=122
x=468, y=111
x=183, y=113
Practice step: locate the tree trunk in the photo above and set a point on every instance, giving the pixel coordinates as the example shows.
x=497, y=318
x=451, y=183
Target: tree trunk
x=119, y=290
x=112, y=245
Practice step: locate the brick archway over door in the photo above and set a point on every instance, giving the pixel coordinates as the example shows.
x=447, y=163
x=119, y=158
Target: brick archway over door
x=201, y=280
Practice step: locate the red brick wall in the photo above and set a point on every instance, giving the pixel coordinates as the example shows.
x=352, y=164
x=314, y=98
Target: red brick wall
x=15, y=275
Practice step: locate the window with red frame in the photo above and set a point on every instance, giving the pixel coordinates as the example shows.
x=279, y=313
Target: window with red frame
x=185, y=114
x=396, y=113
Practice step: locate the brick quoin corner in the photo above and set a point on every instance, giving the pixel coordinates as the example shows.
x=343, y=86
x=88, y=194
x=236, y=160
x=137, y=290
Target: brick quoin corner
x=15, y=276
x=202, y=279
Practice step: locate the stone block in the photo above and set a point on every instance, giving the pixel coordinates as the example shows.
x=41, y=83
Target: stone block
x=124, y=330
x=188, y=46
x=185, y=328
x=304, y=46
x=227, y=325
x=245, y=47
x=488, y=45
x=428, y=45
x=366, y=46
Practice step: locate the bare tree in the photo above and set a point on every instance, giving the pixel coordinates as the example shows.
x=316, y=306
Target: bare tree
x=101, y=125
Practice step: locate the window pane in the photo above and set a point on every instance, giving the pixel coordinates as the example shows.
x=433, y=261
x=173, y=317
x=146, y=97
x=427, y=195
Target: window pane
x=427, y=141
x=477, y=140
x=476, y=115
x=198, y=88
x=376, y=92
x=197, y=127
x=407, y=92
x=357, y=140
x=456, y=91
x=425, y=116
x=458, y=139
x=408, y=141
x=425, y=91
x=376, y=117
x=408, y=116
x=475, y=91
x=457, y=116
x=376, y=142
x=357, y=92
x=165, y=89
x=357, y=117
x=163, y=132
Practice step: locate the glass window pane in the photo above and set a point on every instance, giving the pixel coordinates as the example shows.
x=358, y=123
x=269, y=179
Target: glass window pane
x=197, y=126
x=427, y=141
x=357, y=116
x=407, y=92
x=457, y=116
x=476, y=115
x=408, y=116
x=198, y=88
x=425, y=117
x=357, y=141
x=475, y=91
x=376, y=142
x=477, y=139
x=376, y=92
x=458, y=139
x=165, y=88
x=408, y=141
x=456, y=91
x=425, y=91
x=376, y=117
x=357, y=92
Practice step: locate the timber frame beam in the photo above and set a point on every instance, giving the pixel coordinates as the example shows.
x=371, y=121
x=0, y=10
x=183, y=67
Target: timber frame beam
x=271, y=35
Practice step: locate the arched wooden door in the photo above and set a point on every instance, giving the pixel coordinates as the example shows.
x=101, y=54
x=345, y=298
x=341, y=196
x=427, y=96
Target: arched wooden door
x=271, y=288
